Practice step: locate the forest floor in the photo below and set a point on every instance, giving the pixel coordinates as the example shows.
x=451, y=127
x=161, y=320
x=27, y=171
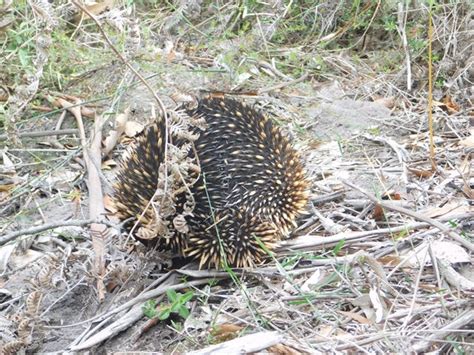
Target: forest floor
x=383, y=259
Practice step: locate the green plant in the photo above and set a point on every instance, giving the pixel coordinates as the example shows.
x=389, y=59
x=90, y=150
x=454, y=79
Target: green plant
x=439, y=82
x=375, y=131
x=417, y=44
x=337, y=248
x=389, y=23
x=176, y=304
x=457, y=348
x=20, y=44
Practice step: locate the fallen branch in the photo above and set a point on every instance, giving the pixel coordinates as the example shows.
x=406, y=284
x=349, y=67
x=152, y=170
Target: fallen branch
x=93, y=160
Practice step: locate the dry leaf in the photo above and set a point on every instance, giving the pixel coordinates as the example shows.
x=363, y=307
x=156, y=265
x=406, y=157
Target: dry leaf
x=429, y=287
x=468, y=141
x=446, y=108
x=378, y=213
x=377, y=303
x=5, y=254
x=421, y=173
x=132, y=128
x=95, y=8
x=450, y=105
x=446, y=251
x=450, y=252
x=391, y=195
x=225, y=332
x=388, y=102
x=281, y=349
x=19, y=261
x=6, y=188
x=448, y=209
x=313, y=280
x=365, y=303
x=324, y=332
x=389, y=260
x=357, y=317
x=7, y=166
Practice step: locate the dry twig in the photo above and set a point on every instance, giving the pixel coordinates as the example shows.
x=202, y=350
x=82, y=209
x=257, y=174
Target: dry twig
x=416, y=215
x=460, y=322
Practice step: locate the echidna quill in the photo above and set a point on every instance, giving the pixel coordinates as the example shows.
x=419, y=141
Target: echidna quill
x=250, y=189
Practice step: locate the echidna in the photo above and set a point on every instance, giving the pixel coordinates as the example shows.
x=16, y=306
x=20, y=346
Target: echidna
x=250, y=189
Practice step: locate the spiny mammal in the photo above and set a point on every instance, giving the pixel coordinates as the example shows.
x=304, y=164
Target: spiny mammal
x=250, y=189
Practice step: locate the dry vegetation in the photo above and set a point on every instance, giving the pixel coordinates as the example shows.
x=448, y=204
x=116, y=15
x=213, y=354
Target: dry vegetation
x=382, y=262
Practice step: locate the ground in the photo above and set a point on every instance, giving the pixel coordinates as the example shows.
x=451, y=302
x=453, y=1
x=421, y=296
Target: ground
x=382, y=259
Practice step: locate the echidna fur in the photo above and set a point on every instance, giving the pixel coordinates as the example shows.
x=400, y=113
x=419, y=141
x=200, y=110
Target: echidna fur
x=251, y=189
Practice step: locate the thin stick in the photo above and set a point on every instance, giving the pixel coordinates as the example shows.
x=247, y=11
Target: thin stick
x=44, y=227
x=460, y=322
x=402, y=21
x=430, y=88
x=147, y=85
x=47, y=133
x=416, y=215
x=282, y=85
x=310, y=241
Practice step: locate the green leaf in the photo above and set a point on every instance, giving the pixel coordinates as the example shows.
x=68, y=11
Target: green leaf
x=164, y=313
x=337, y=248
x=172, y=295
x=183, y=312
x=149, y=308
x=186, y=297
x=23, y=55
x=175, y=307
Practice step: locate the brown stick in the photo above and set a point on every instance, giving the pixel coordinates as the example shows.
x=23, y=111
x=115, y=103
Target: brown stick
x=93, y=160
